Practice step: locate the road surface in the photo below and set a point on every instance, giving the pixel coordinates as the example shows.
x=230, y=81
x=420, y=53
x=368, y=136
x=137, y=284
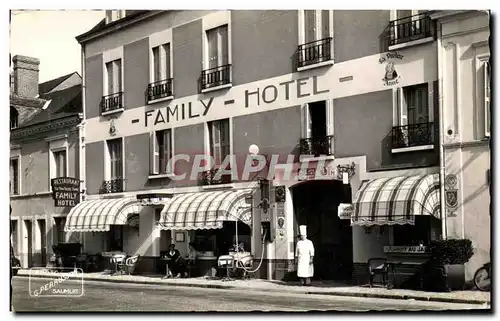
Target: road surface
x=105, y=296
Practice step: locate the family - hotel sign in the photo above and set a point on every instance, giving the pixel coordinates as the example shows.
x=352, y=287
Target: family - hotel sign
x=291, y=89
x=65, y=191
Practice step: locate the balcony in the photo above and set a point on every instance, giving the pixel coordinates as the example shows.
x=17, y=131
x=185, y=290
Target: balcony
x=413, y=137
x=159, y=90
x=215, y=78
x=317, y=146
x=412, y=30
x=112, y=103
x=314, y=53
x=112, y=186
x=210, y=177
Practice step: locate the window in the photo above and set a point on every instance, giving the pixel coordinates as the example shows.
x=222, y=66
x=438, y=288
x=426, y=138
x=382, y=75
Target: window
x=487, y=99
x=115, y=159
x=317, y=128
x=14, y=176
x=60, y=163
x=414, y=105
x=114, y=77
x=218, y=46
x=14, y=118
x=161, y=62
x=219, y=140
x=59, y=235
x=316, y=25
x=161, y=152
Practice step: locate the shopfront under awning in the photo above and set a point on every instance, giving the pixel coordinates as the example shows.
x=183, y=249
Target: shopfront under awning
x=396, y=200
x=99, y=215
x=206, y=210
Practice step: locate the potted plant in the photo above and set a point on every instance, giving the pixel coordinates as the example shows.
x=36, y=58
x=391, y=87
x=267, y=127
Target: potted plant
x=450, y=256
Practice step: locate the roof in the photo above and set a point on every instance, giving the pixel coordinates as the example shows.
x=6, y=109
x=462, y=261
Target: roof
x=63, y=103
x=102, y=26
x=47, y=86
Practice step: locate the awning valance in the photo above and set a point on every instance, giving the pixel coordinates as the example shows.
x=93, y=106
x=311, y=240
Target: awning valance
x=98, y=215
x=396, y=200
x=206, y=210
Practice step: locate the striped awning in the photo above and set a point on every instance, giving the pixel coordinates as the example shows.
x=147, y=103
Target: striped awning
x=396, y=200
x=206, y=210
x=98, y=215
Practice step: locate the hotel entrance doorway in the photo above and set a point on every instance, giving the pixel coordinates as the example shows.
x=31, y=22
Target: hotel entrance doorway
x=316, y=205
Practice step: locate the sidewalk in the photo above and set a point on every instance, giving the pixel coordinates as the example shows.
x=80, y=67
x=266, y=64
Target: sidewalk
x=323, y=288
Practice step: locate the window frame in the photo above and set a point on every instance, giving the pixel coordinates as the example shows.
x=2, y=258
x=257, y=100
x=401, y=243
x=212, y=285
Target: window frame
x=161, y=39
x=155, y=164
x=209, y=139
x=14, y=115
x=210, y=22
x=110, y=56
x=57, y=144
x=399, y=117
x=486, y=71
x=107, y=160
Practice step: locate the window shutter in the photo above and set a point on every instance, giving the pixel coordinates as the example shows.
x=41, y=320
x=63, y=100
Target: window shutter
x=403, y=108
x=325, y=23
x=212, y=48
x=156, y=64
x=216, y=142
x=154, y=154
x=118, y=78
x=167, y=141
x=224, y=46
x=330, y=122
x=167, y=60
x=310, y=25
x=109, y=70
x=487, y=111
x=306, y=122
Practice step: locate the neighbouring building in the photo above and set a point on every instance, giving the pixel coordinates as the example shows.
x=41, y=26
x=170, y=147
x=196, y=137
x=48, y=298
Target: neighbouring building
x=464, y=65
x=44, y=144
x=358, y=103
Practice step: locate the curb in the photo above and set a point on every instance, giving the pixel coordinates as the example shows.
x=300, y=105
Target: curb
x=332, y=293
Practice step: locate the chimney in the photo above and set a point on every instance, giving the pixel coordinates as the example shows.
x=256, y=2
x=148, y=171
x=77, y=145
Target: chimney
x=26, y=76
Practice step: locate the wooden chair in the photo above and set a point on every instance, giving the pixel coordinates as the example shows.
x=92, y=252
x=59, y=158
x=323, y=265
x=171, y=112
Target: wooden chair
x=378, y=266
x=128, y=265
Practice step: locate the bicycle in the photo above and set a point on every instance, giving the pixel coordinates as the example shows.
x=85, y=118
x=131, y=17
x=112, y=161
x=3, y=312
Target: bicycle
x=482, y=277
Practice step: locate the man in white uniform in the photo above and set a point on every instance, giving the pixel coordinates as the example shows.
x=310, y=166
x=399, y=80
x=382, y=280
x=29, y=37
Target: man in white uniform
x=304, y=254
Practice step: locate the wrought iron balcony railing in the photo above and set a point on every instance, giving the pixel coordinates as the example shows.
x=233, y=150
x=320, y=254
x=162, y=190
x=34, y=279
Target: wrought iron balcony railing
x=314, y=52
x=322, y=145
x=217, y=76
x=212, y=177
x=112, y=102
x=112, y=186
x=412, y=28
x=413, y=135
x=160, y=89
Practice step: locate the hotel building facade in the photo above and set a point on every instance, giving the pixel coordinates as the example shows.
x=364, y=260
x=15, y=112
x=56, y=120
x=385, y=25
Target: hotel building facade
x=357, y=102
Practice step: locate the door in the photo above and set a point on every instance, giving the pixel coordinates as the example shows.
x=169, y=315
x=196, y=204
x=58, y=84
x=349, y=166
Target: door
x=43, y=242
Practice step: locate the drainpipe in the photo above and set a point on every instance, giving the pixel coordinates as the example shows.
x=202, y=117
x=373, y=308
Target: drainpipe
x=441, y=133
x=81, y=140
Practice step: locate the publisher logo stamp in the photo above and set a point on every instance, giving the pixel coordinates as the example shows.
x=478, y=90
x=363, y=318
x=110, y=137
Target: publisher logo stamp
x=60, y=282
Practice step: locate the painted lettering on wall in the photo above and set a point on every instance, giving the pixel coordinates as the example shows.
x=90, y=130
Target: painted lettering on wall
x=287, y=90
x=176, y=113
x=391, y=76
x=297, y=88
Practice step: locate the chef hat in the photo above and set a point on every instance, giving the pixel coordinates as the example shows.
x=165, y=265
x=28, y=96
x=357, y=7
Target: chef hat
x=303, y=230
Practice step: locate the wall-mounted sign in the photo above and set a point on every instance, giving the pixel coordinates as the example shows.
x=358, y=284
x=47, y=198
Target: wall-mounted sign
x=451, y=198
x=405, y=249
x=65, y=191
x=391, y=76
x=324, y=172
x=256, y=96
x=345, y=211
x=112, y=128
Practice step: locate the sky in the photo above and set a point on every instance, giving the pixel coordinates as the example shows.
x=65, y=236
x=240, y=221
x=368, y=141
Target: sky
x=50, y=37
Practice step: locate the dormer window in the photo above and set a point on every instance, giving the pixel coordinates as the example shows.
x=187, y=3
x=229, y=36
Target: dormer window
x=113, y=15
x=14, y=118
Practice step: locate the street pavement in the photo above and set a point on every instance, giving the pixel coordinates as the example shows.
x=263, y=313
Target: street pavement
x=103, y=296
